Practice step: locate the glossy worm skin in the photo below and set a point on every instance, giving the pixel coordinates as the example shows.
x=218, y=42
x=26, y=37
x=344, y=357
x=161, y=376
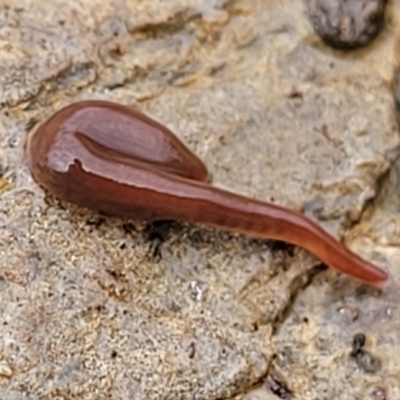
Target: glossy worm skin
x=115, y=159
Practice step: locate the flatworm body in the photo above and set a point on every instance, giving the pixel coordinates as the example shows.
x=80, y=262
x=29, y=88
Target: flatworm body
x=117, y=160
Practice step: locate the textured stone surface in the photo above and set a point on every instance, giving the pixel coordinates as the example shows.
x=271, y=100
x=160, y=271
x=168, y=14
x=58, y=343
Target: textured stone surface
x=103, y=308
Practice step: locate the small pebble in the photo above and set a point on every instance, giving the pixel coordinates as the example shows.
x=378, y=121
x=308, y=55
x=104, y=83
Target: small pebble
x=347, y=24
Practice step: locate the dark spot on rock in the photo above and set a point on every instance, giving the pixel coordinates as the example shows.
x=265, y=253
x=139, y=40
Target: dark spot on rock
x=96, y=222
x=191, y=350
x=276, y=245
x=157, y=233
x=100, y=308
x=368, y=362
x=279, y=389
x=358, y=343
x=158, y=230
x=175, y=307
x=364, y=359
x=128, y=227
x=255, y=326
x=295, y=94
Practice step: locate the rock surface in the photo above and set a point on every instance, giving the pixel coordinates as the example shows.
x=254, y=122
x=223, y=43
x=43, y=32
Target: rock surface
x=95, y=307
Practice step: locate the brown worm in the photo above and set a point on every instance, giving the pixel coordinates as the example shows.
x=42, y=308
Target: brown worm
x=115, y=159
